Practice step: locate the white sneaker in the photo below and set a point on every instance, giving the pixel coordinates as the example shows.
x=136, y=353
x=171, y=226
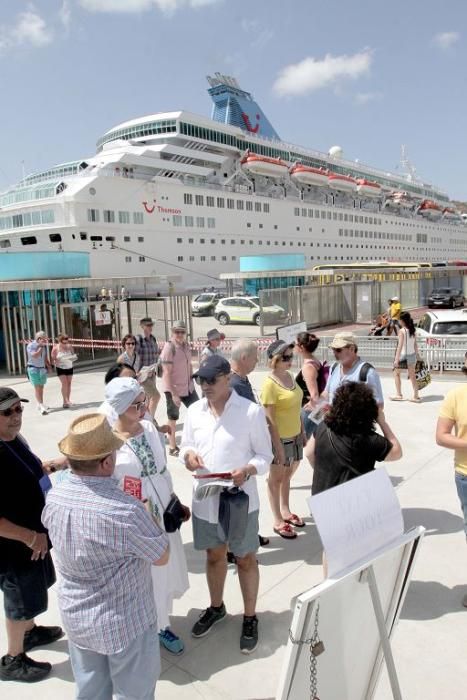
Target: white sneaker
x=43, y=409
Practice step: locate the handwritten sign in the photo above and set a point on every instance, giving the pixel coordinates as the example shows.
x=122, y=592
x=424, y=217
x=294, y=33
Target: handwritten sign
x=356, y=519
x=102, y=318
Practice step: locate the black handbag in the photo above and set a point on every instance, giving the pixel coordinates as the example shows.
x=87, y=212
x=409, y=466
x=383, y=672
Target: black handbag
x=174, y=515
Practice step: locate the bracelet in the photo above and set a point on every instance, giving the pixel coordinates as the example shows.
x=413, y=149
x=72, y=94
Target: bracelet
x=33, y=541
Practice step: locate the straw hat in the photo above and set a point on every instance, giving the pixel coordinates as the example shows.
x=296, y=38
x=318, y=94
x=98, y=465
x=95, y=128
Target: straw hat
x=90, y=437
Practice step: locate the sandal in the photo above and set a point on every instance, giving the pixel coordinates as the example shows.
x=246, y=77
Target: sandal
x=294, y=520
x=174, y=451
x=396, y=398
x=285, y=531
x=416, y=400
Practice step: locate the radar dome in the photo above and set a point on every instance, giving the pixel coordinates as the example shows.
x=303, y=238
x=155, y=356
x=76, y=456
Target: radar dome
x=336, y=152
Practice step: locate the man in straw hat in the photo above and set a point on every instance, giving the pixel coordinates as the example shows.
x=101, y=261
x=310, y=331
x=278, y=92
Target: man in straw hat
x=105, y=542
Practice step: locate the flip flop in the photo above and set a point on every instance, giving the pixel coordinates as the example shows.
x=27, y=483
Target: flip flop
x=286, y=531
x=396, y=398
x=295, y=521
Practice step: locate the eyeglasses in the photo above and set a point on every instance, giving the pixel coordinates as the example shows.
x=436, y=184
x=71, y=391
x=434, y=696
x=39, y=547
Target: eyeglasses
x=9, y=411
x=140, y=404
x=346, y=347
x=287, y=358
x=179, y=332
x=130, y=343
x=211, y=382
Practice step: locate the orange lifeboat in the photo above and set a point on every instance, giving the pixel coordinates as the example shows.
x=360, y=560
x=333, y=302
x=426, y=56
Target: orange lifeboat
x=429, y=209
x=368, y=188
x=343, y=183
x=307, y=175
x=399, y=199
x=261, y=165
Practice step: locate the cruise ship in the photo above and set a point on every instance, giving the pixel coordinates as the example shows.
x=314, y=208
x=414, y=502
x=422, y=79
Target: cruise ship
x=175, y=193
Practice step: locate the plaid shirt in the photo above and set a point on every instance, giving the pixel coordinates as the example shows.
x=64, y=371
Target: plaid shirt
x=104, y=544
x=147, y=351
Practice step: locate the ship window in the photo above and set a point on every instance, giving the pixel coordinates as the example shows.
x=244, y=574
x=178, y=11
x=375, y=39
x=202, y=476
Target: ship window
x=109, y=216
x=55, y=237
x=177, y=220
x=203, y=258
x=317, y=214
x=310, y=213
x=128, y=258
x=142, y=258
x=232, y=242
x=110, y=238
x=138, y=217
x=261, y=225
x=93, y=215
x=5, y=243
x=257, y=206
x=83, y=236
x=191, y=240
x=36, y=217
x=223, y=241
x=192, y=258
x=224, y=257
x=303, y=212
x=268, y=242
x=266, y=208
x=242, y=242
x=29, y=240
x=275, y=226
x=187, y=198
x=296, y=211
x=189, y=221
x=249, y=206
x=123, y=217
x=179, y=240
x=201, y=240
x=248, y=225
x=211, y=222
x=140, y=239
x=213, y=257
x=200, y=221
x=180, y=258
x=276, y=242
x=126, y=239
x=96, y=238
x=230, y=203
x=298, y=228
x=239, y=203
x=212, y=241
x=199, y=200
x=220, y=202
x=234, y=257
x=210, y=201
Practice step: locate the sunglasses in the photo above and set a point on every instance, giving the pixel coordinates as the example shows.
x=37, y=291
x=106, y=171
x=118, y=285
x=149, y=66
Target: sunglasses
x=179, y=332
x=211, y=382
x=287, y=358
x=64, y=339
x=9, y=411
x=140, y=404
x=346, y=347
x=130, y=343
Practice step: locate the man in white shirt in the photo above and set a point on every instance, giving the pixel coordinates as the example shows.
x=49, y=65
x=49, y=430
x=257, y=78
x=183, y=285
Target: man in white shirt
x=226, y=433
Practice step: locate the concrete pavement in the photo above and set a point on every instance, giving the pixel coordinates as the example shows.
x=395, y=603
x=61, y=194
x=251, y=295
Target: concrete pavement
x=429, y=644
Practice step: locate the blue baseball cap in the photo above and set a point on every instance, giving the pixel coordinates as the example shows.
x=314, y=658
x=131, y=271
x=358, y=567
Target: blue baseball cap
x=212, y=367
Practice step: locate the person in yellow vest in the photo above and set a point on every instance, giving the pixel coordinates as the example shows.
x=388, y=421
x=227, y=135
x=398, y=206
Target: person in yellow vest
x=395, y=314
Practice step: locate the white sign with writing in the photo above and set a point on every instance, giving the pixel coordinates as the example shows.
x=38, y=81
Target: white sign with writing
x=289, y=333
x=102, y=318
x=356, y=519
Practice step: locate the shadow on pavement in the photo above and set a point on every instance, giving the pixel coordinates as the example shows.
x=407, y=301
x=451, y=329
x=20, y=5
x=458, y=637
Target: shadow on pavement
x=428, y=600
x=436, y=522
x=431, y=398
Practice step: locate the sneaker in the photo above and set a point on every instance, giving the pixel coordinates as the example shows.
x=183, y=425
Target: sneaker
x=249, y=637
x=43, y=410
x=207, y=619
x=171, y=642
x=22, y=668
x=41, y=636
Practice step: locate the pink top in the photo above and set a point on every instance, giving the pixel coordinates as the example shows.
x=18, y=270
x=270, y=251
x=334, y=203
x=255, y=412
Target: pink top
x=177, y=357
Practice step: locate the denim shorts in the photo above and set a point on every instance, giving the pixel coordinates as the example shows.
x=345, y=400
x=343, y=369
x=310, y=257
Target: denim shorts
x=308, y=424
x=25, y=588
x=461, y=485
x=206, y=536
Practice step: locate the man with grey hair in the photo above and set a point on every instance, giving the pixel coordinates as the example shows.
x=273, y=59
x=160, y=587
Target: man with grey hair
x=38, y=366
x=243, y=360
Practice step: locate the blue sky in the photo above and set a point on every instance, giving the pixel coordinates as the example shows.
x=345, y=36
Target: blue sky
x=368, y=76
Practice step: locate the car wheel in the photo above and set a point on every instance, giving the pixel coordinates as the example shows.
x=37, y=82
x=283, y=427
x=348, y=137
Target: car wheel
x=257, y=320
x=223, y=319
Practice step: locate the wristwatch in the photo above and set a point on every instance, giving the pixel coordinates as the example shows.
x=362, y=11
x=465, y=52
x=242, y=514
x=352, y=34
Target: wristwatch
x=247, y=475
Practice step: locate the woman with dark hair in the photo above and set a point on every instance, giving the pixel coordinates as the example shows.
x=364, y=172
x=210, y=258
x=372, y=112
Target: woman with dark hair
x=63, y=357
x=346, y=444
x=129, y=355
x=307, y=378
x=406, y=357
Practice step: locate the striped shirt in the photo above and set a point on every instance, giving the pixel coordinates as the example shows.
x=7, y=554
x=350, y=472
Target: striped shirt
x=104, y=544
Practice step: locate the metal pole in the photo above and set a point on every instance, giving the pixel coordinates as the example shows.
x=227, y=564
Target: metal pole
x=380, y=621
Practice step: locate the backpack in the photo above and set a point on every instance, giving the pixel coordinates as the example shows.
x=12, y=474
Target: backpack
x=363, y=374
x=321, y=380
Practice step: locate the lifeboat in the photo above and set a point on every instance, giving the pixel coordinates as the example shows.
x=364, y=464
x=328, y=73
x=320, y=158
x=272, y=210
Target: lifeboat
x=429, y=209
x=368, y=188
x=399, y=200
x=343, y=183
x=261, y=165
x=451, y=214
x=309, y=176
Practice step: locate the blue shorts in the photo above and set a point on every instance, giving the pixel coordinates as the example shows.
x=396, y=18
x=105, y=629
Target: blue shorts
x=206, y=536
x=308, y=425
x=37, y=376
x=461, y=485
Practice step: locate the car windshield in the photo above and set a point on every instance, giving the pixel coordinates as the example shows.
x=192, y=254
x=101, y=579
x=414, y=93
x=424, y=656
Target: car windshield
x=450, y=328
x=204, y=297
x=442, y=290
x=255, y=300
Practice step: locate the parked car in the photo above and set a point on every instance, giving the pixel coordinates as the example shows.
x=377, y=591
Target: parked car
x=445, y=296
x=204, y=304
x=434, y=323
x=245, y=310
